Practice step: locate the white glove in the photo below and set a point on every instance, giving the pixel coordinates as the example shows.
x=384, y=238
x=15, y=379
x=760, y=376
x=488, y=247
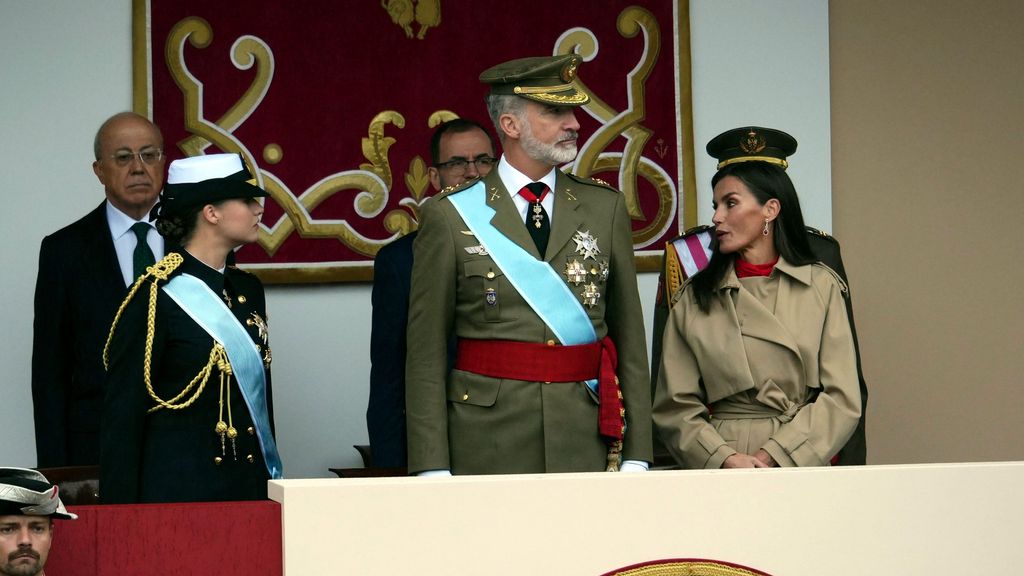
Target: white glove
x=426, y=473
x=633, y=466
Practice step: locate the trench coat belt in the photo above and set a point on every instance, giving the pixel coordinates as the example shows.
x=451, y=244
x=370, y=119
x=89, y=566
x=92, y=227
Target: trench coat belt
x=532, y=362
x=730, y=411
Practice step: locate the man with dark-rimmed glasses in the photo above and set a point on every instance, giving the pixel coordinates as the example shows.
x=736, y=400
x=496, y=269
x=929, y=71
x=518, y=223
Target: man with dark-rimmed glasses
x=84, y=271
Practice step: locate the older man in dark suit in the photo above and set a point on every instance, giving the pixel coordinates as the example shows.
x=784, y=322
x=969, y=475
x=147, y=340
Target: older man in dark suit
x=84, y=271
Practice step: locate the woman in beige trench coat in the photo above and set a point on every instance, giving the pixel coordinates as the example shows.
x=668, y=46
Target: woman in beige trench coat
x=758, y=367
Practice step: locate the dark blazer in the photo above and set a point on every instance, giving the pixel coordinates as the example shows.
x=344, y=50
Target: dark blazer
x=176, y=455
x=385, y=413
x=78, y=290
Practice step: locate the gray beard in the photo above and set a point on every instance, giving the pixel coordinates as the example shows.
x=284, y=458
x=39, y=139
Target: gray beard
x=551, y=154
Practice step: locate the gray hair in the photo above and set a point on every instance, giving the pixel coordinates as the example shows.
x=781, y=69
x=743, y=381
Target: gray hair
x=498, y=104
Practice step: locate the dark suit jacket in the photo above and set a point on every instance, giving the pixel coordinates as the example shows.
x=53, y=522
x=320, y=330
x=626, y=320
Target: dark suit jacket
x=78, y=290
x=176, y=455
x=385, y=414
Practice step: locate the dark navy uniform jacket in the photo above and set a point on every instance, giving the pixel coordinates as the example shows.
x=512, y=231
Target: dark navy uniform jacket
x=176, y=455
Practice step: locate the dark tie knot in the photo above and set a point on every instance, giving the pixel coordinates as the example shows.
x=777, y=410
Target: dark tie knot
x=141, y=230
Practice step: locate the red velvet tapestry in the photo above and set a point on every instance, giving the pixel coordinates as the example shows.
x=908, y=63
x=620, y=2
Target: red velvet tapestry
x=332, y=105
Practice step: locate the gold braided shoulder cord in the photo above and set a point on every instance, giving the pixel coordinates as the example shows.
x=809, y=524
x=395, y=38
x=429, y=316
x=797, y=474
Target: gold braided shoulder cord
x=161, y=271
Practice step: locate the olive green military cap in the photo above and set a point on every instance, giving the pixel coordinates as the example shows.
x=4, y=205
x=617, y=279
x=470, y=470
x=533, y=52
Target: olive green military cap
x=752, y=144
x=545, y=79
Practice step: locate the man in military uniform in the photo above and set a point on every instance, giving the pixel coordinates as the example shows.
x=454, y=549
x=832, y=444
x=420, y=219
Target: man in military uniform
x=28, y=505
x=533, y=271
x=460, y=150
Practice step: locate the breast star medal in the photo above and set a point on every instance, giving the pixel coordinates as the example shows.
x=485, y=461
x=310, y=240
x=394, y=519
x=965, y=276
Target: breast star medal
x=586, y=245
x=575, y=272
x=590, y=295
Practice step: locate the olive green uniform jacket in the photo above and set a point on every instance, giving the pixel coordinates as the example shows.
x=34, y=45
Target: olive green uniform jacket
x=472, y=424
x=782, y=380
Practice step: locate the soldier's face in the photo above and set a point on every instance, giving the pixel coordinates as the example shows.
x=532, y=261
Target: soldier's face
x=548, y=133
x=739, y=217
x=133, y=187
x=471, y=145
x=24, y=544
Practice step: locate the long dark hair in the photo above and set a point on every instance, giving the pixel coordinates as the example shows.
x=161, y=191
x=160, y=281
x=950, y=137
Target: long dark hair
x=766, y=181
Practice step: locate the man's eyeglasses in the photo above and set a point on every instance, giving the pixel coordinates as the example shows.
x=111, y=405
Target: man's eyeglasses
x=150, y=157
x=458, y=165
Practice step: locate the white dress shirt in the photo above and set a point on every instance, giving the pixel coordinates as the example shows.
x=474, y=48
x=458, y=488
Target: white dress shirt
x=125, y=241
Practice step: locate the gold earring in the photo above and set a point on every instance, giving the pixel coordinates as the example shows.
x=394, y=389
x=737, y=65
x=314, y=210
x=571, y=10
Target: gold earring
x=765, y=231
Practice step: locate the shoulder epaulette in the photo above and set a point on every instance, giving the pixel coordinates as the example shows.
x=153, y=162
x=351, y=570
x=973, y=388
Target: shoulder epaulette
x=695, y=230
x=592, y=182
x=448, y=190
x=820, y=234
x=839, y=280
x=159, y=271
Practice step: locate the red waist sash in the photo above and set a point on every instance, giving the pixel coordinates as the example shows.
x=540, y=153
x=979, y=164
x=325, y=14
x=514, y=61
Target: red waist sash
x=533, y=362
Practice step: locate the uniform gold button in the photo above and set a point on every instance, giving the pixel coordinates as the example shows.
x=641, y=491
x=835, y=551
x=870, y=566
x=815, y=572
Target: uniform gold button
x=250, y=458
x=250, y=430
x=465, y=397
x=490, y=275
x=551, y=342
x=241, y=299
x=217, y=460
x=249, y=322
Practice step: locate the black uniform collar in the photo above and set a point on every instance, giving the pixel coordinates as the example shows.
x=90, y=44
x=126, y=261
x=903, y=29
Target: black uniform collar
x=211, y=277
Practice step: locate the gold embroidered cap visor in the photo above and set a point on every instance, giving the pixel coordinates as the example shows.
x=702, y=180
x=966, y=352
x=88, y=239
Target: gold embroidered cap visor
x=201, y=180
x=545, y=79
x=25, y=492
x=752, y=144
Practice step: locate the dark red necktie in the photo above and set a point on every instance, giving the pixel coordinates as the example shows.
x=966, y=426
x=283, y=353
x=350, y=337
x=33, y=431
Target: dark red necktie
x=536, y=217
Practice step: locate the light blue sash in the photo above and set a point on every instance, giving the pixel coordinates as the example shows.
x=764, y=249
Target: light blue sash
x=209, y=311
x=535, y=280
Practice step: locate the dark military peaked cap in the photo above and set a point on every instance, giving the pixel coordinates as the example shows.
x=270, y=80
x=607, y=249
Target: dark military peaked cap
x=25, y=492
x=752, y=143
x=207, y=179
x=545, y=79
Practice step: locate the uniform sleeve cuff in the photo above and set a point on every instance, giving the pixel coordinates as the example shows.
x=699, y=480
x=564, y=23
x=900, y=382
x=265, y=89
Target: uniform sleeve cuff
x=774, y=449
x=716, y=459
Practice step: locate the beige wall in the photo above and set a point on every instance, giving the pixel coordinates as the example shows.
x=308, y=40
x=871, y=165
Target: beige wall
x=927, y=144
